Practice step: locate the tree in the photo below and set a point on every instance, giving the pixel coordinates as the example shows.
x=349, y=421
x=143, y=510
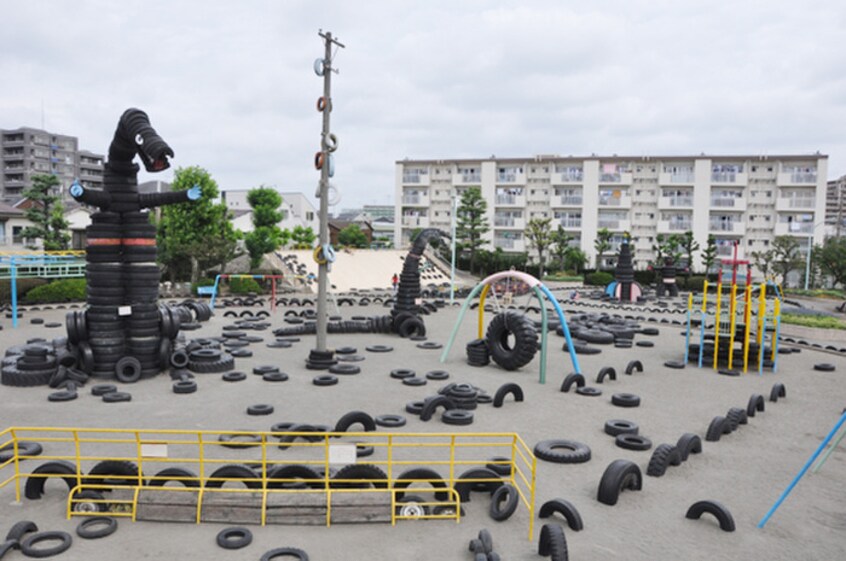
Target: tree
x=352, y=236
x=763, y=260
x=561, y=242
x=471, y=223
x=832, y=259
x=303, y=237
x=266, y=235
x=198, y=235
x=47, y=214
x=602, y=243
x=574, y=259
x=689, y=245
x=786, y=256
x=709, y=254
x=539, y=235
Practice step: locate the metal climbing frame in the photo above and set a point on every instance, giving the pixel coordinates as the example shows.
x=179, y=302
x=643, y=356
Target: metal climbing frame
x=203, y=452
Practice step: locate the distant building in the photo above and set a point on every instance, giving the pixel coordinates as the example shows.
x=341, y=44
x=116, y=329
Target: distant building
x=27, y=151
x=12, y=223
x=835, y=207
x=335, y=227
x=748, y=199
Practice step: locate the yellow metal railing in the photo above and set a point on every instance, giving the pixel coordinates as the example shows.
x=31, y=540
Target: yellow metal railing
x=206, y=451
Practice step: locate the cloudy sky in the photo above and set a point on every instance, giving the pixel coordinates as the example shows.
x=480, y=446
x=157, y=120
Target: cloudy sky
x=229, y=84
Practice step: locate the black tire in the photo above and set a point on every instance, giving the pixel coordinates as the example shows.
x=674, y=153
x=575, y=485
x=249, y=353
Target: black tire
x=589, y=391
x=824, y=367
x=184, y=386
x=353, y=417
x=179, y=475
x=412, y=326
x=96, y=527
x=34, y=487
x=460, y=417
x=234, y=537
x=25, y=448
x=89, y=501
x=756, y=403
x=607, y=371
x=664, y=456
x=19, y=530
x=432, y=403
x=737, y=416
x=28, y=544
x=505, y=325
x=118, y=473
x=426, y=475
x=284, y=552
x=777, y=392
x=240, y=441
x=370, y=474
x=464, y=487
x=325, y=380
x=633, y=442
x=552, y=542
x=616, y=427
x=260, y=409
x=716, y=429
x=390, y=421
x=689, y=443
x=572, y=378
x=634, y=365
x=503, y=502
x=498, y=467
x=311, y=478
x=625, y=400
x=618, y=476
x=506, y=389
x=116, y=397
x=564, y=508
x=722, y=514
x=235, y=376
x=574, y=452
x=250, y=478
x=128, y=370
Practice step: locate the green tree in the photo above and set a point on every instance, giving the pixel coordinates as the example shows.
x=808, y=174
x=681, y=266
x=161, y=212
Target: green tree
x=574, y=259
x=786, y=256
x=195, y=236
x=602, y=244
x=689, y=246
x=471, y=223
x=266, y=236
x=303, y=237
x=763, y=261
x=832, y=259
x=539, y=236
x=561, y=242
x=352, y=236
x=709, y=254
x=47, y=214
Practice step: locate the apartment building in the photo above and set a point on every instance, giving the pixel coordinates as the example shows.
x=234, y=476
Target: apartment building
x=28, y=151
x=835, y=207
x=745, y=199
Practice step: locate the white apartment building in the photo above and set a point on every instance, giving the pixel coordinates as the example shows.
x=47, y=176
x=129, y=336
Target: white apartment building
x=749, y=199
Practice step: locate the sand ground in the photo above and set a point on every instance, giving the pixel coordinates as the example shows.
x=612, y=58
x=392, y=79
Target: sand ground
x=746, y=470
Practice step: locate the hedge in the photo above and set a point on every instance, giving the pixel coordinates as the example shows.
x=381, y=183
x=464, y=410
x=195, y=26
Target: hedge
x=63, y=290
x=600, y=278
x=22, y=286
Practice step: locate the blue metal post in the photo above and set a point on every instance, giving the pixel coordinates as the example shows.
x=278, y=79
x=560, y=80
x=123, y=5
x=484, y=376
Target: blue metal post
x=564, y=327
x=214, y=294
x=13, y=271
x=802, y=471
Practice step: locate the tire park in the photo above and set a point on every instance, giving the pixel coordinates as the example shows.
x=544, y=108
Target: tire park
x=549, y=427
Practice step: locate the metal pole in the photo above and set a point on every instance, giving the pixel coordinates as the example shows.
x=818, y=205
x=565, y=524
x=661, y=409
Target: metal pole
x=808, y=258
x=452, y=265
x=320, y=358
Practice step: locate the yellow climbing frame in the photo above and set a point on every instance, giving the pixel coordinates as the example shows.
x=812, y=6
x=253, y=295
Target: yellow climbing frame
x=205, y=451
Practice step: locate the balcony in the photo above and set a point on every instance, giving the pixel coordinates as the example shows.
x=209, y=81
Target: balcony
x=511, y=178
x=511, y=200
x=567, y=178
x=674, y=226
x=727, y=250
x=803, y=229
x=795, y=203
x=421, y=179
x=738, y=178
x=725, y=227
x=570, y=223
x=509, y=244
x=567, y=201
x=510, y=223
x=415, y=200
x=623, y=201
x=615, y=224
x=683, y=178
x=785, y=178
x=13, y=156
x=736, y=204
x=415, y=221
x=671, y=203
x=619, y=178
x=466, y=178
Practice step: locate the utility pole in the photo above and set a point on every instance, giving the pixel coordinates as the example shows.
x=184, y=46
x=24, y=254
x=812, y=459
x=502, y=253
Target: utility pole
x=322, y=358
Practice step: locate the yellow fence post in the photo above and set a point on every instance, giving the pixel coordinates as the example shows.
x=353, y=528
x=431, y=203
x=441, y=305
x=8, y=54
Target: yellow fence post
x=717, y=322
x=733, y=322
x=747, y=325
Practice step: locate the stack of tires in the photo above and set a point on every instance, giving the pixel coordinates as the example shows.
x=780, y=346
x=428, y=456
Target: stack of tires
x=102, y=343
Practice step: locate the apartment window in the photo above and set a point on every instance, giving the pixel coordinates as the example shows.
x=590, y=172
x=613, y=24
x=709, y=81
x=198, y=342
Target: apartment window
x=309, y=216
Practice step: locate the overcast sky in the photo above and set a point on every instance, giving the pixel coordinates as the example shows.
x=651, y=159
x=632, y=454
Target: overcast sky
x=229, y=84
